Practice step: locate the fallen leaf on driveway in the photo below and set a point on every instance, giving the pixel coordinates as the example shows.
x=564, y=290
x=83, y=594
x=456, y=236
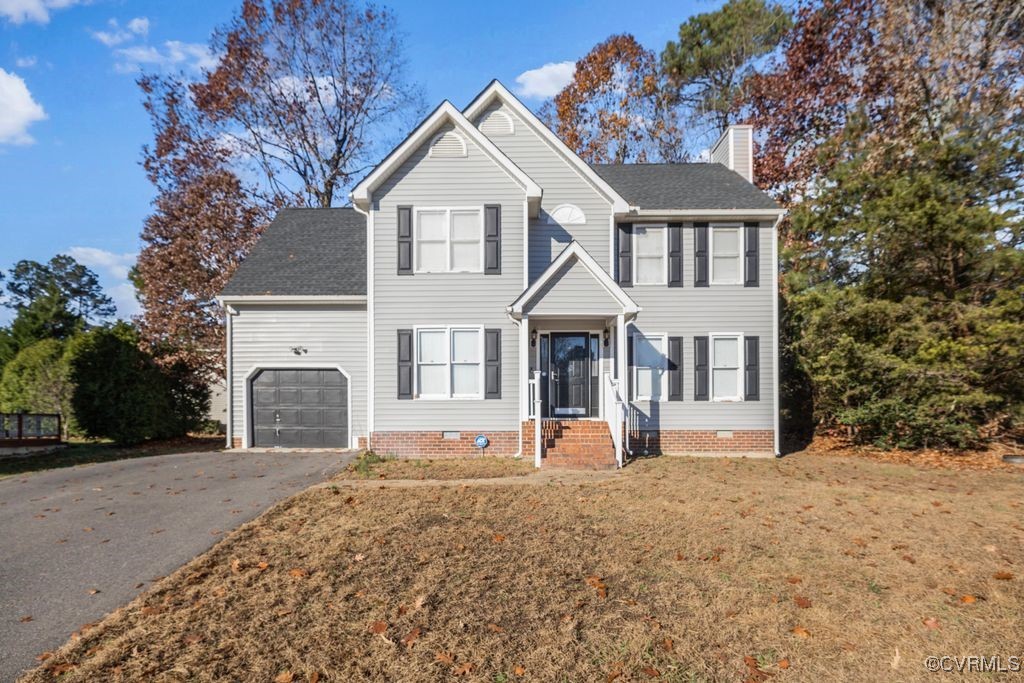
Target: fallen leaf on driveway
x=26, y=618
x=94, y=591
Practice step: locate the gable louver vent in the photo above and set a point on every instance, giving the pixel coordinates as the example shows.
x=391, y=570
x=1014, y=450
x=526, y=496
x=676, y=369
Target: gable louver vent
x=448, y=145
x=496, y=123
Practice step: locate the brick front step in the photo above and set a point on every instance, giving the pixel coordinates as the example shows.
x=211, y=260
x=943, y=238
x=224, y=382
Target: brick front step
x=577, y=444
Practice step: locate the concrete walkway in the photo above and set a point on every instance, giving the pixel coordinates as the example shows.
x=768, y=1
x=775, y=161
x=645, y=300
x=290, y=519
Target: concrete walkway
x=77, y=543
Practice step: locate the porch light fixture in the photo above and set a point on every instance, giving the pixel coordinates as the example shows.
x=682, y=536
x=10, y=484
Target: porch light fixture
x=299, y=350
x=533, y=337
x=607, y=336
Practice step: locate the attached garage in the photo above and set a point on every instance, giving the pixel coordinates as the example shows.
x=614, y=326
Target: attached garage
x=300, y=408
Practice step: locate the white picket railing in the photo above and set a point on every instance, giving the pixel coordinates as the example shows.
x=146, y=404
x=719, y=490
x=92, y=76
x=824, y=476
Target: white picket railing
x=614, y=413
x=535, y=411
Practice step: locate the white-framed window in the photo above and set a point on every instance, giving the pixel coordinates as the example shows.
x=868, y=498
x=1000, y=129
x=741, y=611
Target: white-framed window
x=449, y=240
x=650, y=254
x=727, y=367
x=726, y=254
x=449, y=362
x=650, y=366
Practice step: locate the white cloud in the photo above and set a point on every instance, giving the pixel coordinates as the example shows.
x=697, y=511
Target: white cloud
x=18, y=110
x=116, y=34
x=175, y=54
x=20, y=11
x=113, y=271
x=545, y=81
x=25, y=62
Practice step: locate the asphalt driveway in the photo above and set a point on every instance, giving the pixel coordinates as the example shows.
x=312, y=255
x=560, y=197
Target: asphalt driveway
x=77, y=543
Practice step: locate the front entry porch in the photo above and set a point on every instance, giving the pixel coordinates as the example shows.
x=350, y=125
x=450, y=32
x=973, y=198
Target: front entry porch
x=573, y=325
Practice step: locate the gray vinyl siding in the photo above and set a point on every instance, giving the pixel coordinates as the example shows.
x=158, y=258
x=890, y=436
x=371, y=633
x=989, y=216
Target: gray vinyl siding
x=741, y=140
x=333, y=336
x=408, y=301
x=562, y=184
x=688, y=312
x=574, y=290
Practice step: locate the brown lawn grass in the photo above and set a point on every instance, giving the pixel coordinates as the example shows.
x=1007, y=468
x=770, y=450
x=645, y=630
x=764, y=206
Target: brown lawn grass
x=811, y=568
x=442, y=470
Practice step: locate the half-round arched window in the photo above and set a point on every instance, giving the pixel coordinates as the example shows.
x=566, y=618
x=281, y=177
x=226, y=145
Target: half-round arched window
x=496, y=122
x=448, y=144
x=567, y=214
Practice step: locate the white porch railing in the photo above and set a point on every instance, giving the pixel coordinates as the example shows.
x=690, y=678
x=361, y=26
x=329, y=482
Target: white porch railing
x=614, y=413
x=535, y=415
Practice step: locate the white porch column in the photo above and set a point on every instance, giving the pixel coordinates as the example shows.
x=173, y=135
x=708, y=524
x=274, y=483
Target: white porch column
x=524, y=368
x=620, y=352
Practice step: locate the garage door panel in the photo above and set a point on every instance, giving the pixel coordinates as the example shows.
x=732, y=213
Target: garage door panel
x=334, y=397
x=300, y=408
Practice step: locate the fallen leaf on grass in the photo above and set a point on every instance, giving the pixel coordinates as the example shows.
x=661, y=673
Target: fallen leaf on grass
x=444, y=657
x=968, y=599
x=930, y=622
x=949, y=591
x=262, y=566
x=42, y=657
x=756, y=673
x=801, y=632
x=519, y=671
x=793, y=579
x=411, y=637
x=499, y=538
x=192, y=638
x=236, y=566
x=783, y=664
x=1003, y=576
x=378, y=627
x=314, y=677
x=148, y=611
x=285, y=677
x=666, y=645
x=597, y=584
x=60, y=669
x=801, y=601
x=615, y=671
x=298, y=573
x=651, y=672
x=910, y=559
x=464, y=669
x=494, y=628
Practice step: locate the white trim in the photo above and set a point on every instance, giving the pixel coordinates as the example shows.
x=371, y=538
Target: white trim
x=308, y=299
x=448, y=237
x=229, y=394
x=663, y=336
x=613, y=260
x=526, y=244
x=444, y=113
x=448, y=329
x=741, y=239
x=711, y=214
x=740, y=362
x=462, y=143
x=247, y=438
x=496, y=89
x=775, y=334
x=575, y=250
x=664, y=255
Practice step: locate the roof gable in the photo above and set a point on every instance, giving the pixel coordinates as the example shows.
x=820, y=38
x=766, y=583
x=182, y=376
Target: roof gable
x=495, y=90
x=445, y=113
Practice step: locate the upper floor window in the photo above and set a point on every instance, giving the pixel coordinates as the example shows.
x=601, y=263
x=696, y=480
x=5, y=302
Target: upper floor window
x=448, y=362
x=726, y=253
x=449, y=240
x=726, y=366
x=650, y=254
x=650, y=366
x=567, y=214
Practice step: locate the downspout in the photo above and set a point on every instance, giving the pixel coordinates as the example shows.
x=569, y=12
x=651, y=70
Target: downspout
x=519, y=381
x=369, y=323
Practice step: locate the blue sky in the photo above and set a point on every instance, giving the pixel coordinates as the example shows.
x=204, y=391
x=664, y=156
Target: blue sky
x=71, y=122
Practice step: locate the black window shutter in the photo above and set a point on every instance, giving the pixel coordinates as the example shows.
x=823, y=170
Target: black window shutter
x=675, y=368
x=700, y=254
x=629, y=367
x=405, y=364
x=751, y=369
x=492, y=363
x=700, y=368
x=492, y=239
x=675, y=254
x=625, y=233
x=405, y=241
x=750, y=252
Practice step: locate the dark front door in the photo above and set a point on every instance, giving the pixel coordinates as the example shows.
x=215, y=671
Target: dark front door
x=300, y=409
x=570, y=375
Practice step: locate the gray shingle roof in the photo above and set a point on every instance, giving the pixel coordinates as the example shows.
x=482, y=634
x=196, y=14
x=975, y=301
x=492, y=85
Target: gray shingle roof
x=683, y=186
x=306, y=252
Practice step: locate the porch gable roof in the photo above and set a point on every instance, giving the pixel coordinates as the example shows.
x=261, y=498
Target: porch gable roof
x=574, y=253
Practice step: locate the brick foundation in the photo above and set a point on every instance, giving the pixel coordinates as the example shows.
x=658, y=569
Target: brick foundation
x=685, y=441
x=236, y=442
x=432, y=445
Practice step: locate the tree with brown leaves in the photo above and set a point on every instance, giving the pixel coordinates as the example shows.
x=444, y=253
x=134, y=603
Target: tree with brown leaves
x=305, y=97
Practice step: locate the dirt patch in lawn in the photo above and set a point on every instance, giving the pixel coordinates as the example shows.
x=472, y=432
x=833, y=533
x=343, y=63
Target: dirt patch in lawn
x=479, y=468
x=679, y=569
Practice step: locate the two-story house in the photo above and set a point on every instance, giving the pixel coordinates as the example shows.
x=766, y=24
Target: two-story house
x=487, y=282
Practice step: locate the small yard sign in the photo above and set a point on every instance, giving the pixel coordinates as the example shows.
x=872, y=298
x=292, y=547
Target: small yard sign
x=481, y=441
